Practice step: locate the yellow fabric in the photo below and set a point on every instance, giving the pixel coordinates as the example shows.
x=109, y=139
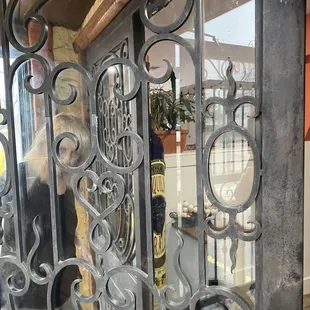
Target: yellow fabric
x=2, y=161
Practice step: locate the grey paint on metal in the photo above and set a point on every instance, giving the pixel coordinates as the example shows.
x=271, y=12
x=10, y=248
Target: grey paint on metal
x=277, y=150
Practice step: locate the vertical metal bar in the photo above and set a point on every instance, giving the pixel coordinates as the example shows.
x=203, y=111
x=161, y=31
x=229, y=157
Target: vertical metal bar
x=143, y=300
x=57, y=241
x=252, y=260
x=234, y=149
x=215, y=258
x=244, y=246
x=225, y=250
x=280, y=249
x=213, y=130
x=224, y=136
x=13, y=166
x=258, y=140
x=242, y=124
x=258, y=135
x=199, y=52
x=147, y=186
x=242, y=142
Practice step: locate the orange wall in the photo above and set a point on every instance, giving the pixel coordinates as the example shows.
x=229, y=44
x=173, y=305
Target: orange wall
x=307, y=94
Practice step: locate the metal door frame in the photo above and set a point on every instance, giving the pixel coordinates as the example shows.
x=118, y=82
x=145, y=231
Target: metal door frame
x=280, y=76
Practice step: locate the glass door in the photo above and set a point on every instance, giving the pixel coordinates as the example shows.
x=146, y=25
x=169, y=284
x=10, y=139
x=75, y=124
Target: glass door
x=152, y=154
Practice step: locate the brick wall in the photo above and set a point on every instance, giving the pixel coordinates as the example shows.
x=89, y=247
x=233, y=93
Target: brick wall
x=63, y=52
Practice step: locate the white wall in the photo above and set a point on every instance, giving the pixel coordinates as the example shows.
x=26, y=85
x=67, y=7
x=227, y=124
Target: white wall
x=180, y=179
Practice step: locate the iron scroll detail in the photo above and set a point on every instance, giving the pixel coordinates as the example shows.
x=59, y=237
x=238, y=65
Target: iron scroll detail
x=230, y=105
x=115, y=173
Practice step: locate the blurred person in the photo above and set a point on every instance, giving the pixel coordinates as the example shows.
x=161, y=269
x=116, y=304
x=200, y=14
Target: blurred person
x=37, y=204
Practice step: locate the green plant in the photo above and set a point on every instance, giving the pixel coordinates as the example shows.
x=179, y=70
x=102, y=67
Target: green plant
x=167, y=112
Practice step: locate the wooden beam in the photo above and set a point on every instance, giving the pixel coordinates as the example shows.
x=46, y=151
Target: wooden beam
x=64, y=13
x=105, y=13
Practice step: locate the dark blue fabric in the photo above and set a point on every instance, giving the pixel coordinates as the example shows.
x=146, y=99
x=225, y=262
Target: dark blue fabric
x=158, y=202
x=157, y=149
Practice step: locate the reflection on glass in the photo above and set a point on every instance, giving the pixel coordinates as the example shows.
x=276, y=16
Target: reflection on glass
x=165, y=12
x=230, y=170
x=38, y=229
x=110, y=186
x=38, y=220
x=231, y=158
x=115, y=118
x=172, y=113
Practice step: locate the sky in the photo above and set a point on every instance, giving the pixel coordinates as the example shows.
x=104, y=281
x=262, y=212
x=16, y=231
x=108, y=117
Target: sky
x=234, y=27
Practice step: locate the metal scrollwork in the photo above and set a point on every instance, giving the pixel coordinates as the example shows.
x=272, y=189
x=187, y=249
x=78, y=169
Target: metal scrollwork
x=187, y=292
x=181, y=19
x=31, y=15
x=10, y=287
x=46, y=267
x=219, y=291
x=117, y=142
x=111, y=163
x=230, y=105
x=76, y=296
x=103, y=244
x=73, y=94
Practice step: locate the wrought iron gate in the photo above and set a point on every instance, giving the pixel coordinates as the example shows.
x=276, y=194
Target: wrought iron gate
x=117, y=167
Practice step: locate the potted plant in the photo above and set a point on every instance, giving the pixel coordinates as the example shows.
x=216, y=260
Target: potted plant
x=167, y=113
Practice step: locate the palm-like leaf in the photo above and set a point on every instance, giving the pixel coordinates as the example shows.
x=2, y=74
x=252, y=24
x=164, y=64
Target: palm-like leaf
x=167, y=111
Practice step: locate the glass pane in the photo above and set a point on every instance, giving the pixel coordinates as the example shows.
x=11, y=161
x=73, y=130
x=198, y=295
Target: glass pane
x=231, y=169
x=126, y=166
x=230, y=52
